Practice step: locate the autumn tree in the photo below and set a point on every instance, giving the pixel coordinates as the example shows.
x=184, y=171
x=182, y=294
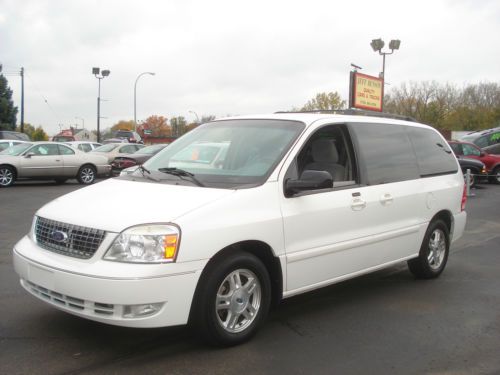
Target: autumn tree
x=123, y=125
x=157, y=124
x=8, y=111
x=324, y=101
x=39, y=134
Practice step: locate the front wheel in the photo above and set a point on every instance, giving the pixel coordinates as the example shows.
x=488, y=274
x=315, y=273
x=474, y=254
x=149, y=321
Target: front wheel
x=233, y=299
x=86, y=175
x=433, y=253
x=7, y=176
x=496, y=176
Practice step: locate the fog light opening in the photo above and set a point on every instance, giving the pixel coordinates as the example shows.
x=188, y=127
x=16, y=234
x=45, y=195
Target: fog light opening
x=141, y=311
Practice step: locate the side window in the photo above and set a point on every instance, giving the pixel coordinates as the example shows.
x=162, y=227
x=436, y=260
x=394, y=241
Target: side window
x=96, y=145
x=64, y=150
x=494, y=138
x=386, y=152
x=45, y=150
x=482, y=141
x=457, y=148
x=470, y=150
x=433, y=153
x=127, y=149
x=328, y=149
x=85, y=147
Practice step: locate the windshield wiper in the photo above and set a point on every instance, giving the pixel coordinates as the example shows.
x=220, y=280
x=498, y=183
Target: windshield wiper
x=181, y=173
x=144, y=170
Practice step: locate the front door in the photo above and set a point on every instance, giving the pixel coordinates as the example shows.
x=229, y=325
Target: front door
x=41, y=160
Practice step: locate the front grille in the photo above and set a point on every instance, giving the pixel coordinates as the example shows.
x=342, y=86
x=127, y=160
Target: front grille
x=67, y=239
x=69, y=302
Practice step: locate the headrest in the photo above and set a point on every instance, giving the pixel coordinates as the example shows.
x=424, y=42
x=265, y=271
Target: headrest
x=324, y=151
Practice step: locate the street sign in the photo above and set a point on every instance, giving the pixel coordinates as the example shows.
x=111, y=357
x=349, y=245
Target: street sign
x=367, y=92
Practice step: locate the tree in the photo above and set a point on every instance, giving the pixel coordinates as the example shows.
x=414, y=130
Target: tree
x=324, y=101
x=158, y=126
x=206, y=118
x=123, y=125
x=39, y=135
x=8, y=112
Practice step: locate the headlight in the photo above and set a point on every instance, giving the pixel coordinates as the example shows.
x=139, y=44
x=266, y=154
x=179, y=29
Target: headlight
x=153, y=243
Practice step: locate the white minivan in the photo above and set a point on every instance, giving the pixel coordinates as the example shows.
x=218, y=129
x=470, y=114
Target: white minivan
x=295, y=202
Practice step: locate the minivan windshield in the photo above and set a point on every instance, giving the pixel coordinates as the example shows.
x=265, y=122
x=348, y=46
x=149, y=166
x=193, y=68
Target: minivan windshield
x=227, y=153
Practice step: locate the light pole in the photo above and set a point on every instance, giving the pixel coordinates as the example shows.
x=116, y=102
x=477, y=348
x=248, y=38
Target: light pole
x=377, y=45
x=99, y=74
x=135, y=97
x=83, y=121
x=197, y=118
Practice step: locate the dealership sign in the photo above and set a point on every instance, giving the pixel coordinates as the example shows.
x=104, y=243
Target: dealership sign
x=366, y=92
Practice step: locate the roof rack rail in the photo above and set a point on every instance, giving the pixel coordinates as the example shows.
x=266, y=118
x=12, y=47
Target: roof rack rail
x=356, y=112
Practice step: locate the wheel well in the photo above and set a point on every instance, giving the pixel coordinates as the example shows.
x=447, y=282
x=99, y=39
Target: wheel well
x=265, y=254
x=446, y=217
x=88, y=165
x=11, y=166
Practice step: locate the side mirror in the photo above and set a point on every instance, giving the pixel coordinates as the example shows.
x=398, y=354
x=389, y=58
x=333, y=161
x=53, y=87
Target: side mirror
x=309, y=180
x=29, y=155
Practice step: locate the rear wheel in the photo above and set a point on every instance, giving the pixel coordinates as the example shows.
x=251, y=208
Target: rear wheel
x=496, y=175
x=7, y=176
x=433, y=253
x=233, y=299
x=86, y=175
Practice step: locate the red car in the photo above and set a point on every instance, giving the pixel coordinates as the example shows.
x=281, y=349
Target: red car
x=469, y=150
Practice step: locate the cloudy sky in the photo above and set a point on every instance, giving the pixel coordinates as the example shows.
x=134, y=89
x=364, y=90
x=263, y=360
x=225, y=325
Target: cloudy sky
x=230, y=57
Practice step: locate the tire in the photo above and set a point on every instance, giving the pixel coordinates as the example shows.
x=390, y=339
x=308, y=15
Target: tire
x=232, y=299
x=60, y=181
x=7, y=176
x=496, y=176
x=434, y=251
x=86, y=175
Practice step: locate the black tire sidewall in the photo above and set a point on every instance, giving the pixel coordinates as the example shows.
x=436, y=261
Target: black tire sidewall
x=206, y=317
x=429, y=272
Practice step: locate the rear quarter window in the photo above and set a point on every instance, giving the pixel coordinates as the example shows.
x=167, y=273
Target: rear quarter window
x=433, y=153
x=386, y=152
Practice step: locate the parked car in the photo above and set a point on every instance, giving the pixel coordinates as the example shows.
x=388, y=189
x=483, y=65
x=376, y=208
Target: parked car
x=49, y=161
x=129, y=135
x=483, y=138
x=477, y=169
x=112, y=150
x=8, y=134
x=6, y=143
x=137, y=158
x=472, y=151
x=114, y=140
x=493, y=149
x=84, y=145
x=299, y=202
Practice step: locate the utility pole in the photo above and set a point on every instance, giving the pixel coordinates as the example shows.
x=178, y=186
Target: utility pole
x=22, y=100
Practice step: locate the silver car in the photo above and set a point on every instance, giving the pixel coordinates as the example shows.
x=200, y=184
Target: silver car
x=50, y=161
x=112, y=150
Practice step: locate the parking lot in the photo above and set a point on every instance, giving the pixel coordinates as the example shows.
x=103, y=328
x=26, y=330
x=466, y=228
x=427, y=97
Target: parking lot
x=383, y=323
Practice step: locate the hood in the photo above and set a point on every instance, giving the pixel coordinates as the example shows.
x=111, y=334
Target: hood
x=115, y=204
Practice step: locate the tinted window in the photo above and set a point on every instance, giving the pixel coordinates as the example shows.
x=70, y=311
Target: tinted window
x=386, y=152
x=457, y=148
x=433, y=153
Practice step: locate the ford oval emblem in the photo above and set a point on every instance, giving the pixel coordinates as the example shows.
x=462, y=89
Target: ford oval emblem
x=59, y=236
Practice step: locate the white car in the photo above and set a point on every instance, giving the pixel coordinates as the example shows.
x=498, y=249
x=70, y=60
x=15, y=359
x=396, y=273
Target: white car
x=300, y=201
x=84, y=146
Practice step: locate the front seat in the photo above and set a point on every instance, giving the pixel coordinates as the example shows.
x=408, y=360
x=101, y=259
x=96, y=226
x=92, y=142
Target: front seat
x=325, y=158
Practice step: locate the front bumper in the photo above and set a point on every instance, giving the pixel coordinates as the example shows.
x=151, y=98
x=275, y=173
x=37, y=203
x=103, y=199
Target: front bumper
x=107, y=298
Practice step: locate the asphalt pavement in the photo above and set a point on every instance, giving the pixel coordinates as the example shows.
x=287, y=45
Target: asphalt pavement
x=383, y=323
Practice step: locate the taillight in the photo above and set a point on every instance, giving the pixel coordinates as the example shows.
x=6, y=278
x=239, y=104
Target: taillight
x=127, y=163
x=464, y=198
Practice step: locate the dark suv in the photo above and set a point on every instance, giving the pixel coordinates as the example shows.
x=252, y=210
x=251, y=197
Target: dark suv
x=472, y=151
x=8, y=134
x=129, y=135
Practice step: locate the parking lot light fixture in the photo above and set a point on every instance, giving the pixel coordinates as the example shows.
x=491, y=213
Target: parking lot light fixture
x=99, y=74
x=377, y=45
x=135, y=96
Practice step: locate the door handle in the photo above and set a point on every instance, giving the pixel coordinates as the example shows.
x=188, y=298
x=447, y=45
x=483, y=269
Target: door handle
x=386, y=199
x=358, y=204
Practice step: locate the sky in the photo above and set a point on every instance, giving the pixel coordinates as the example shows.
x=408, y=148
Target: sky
x=229, y=57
